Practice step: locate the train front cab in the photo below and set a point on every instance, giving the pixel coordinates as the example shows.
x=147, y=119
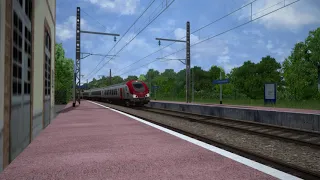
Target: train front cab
x=140, y=93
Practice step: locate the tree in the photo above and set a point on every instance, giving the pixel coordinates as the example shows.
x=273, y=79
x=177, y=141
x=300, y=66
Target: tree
x=63, y=75
x=142, y=77
x=313, y=50
x=299, y=74
x=250, y=78
x=131, y=78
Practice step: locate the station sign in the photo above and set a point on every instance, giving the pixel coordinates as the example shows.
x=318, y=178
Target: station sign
x=221, y=81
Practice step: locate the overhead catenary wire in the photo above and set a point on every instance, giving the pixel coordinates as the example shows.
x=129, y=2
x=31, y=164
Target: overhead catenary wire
x=167, y=6
x=206, y=39
x=94, y=19
x=122, y=36
x=215, y=21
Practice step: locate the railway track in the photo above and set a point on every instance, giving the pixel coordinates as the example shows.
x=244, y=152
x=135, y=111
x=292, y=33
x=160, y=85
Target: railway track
x=276, y=132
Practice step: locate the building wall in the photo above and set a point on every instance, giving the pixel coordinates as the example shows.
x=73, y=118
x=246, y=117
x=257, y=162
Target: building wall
x=42, y=15
x=10, y=130
x=2, y=44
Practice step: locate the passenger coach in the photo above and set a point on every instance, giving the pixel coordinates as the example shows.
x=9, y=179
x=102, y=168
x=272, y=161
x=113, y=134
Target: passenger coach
x=131, y=93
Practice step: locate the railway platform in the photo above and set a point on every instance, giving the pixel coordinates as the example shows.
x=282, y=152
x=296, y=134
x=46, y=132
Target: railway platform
x=91, y=141
x=263, y=108
x=303, y=119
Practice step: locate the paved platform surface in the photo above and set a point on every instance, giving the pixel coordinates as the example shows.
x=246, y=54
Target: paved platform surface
x=302, y=111
x=58, y=108
x=92, y=142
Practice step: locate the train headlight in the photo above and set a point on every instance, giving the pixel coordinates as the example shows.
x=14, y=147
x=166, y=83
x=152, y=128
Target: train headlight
x=147, y=95
x=135, y=96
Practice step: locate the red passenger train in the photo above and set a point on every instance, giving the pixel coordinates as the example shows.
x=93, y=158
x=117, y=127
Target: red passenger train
x=130, y=93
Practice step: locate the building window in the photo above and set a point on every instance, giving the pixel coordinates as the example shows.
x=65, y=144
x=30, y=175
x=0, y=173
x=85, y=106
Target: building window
x=20, y=2
x=27, y=60
x=28, y=8
x=47, y=62
x=17, y=64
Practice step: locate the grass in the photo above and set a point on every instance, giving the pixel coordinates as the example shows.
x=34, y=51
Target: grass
x=304, y=104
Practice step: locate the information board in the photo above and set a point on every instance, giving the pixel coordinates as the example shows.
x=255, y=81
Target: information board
x=270, y=93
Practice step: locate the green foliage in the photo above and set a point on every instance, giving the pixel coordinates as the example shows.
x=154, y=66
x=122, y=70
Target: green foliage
x=63, y=76
x=250, y=78
x=301, y=68
x=142, y=77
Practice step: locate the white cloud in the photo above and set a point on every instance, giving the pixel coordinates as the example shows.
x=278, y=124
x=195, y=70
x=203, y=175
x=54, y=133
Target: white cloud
x=223, y=59
x=253, y=32
x=226, y=51
x=123, y=7
x=277, y=48
x=217, y=50
x=229, y=67
x=291, y=17
x=164, y=28
x=260, y=41
x=242, y=55
x=67, y=29
x=269, y=45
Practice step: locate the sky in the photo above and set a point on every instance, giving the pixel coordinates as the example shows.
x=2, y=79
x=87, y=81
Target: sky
x=137, y=50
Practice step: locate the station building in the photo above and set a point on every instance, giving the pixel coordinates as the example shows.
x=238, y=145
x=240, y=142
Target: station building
x=27, y=54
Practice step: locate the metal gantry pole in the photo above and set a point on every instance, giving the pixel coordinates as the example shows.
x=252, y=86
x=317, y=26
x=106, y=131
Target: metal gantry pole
x=187, y=60
x=76, y=93
x=77, y=75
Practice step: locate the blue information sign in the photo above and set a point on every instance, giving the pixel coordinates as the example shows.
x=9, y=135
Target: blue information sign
x=155, y=87
x=270, y=93
x=221, y=81
x=80, y=87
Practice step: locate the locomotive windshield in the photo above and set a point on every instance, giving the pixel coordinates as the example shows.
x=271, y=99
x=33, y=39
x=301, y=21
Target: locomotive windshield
x=138, y=86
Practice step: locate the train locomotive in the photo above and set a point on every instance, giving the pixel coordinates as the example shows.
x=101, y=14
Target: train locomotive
x=130, y=93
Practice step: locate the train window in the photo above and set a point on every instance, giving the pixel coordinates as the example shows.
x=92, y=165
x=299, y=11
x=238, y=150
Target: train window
x=138, y=86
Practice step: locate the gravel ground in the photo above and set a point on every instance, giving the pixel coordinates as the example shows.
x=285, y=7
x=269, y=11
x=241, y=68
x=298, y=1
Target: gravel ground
x=303, y=156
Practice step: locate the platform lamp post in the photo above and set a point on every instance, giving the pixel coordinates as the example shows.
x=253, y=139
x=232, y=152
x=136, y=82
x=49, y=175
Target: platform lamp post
x=187, y=60
x=77, y=77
